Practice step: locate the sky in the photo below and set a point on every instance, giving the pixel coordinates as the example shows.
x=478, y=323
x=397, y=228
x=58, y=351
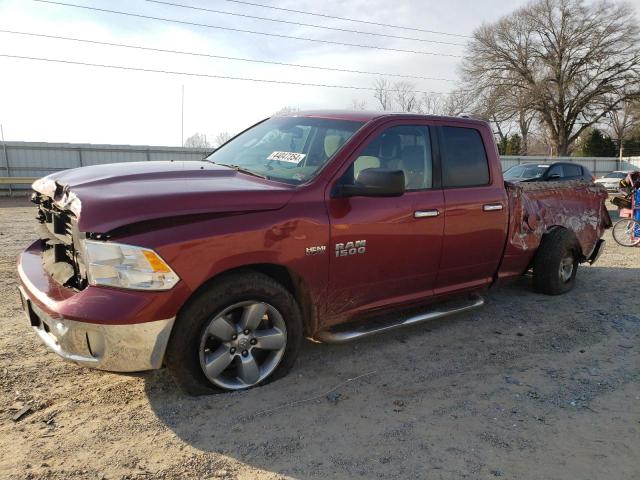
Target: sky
x=52, y=102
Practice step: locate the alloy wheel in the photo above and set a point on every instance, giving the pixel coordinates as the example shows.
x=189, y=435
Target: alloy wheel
x=242, y=345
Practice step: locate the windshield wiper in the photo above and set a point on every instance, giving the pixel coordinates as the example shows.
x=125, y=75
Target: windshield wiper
x=240, y=169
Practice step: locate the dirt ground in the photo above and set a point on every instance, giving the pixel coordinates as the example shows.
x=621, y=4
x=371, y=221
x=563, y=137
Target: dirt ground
x=527, y=387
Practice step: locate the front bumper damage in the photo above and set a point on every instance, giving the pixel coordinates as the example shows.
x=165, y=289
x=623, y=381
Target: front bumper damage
x=116, y=348
x=112, y=338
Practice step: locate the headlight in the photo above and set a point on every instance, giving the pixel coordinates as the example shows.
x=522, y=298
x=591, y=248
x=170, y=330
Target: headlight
x=126, y=266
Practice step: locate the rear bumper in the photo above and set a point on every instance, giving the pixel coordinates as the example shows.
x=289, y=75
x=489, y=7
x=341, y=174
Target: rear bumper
x=108, y=329
x=610, y=187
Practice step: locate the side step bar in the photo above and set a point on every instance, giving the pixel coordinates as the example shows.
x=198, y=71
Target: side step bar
x=373, y=328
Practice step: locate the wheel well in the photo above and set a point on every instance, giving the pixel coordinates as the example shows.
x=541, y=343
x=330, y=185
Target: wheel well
x=290, y=280
x=576, y=242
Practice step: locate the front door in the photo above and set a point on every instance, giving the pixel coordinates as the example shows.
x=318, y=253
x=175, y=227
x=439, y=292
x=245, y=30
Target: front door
x=386, y=250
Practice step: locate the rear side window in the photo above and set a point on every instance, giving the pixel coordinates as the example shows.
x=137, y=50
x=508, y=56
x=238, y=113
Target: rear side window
x=572, y=170
x=465, y=160
x=556, y=171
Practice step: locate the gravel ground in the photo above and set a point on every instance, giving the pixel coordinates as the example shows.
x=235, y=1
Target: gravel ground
x=527, y=387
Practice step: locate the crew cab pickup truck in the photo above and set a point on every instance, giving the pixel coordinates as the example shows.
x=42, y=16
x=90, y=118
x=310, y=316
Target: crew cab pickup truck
x=326, y=225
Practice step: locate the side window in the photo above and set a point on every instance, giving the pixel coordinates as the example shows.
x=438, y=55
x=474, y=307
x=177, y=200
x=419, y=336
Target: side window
x=556, y=171
x=465, y=161
x=406, y=148
x=572, y=170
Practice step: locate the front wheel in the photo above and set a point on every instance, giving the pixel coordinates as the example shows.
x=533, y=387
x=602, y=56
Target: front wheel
x=627, y=232
x=245, y=330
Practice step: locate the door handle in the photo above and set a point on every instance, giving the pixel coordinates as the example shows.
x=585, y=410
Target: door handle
x=426, y=213
x=491, y=207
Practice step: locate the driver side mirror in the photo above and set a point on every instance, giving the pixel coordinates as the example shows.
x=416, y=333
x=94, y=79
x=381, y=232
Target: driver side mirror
x=374, y=182
x=554, y=176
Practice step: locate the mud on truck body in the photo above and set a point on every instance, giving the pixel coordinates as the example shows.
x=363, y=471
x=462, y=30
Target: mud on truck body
x=326, y=225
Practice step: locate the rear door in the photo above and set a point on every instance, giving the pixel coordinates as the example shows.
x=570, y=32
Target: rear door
x=572, y=172
x=387, y=250
x=475, y=217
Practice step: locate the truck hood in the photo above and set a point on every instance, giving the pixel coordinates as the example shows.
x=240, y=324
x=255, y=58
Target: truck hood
x=105, y=197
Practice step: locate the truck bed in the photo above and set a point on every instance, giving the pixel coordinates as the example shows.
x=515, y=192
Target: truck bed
x=537, y=207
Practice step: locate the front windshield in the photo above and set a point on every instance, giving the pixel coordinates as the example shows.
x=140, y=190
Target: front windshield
x=287, y=149
x=520, y=172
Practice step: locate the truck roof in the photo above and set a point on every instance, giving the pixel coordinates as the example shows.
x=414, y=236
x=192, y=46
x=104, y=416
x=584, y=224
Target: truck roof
x=366, y=116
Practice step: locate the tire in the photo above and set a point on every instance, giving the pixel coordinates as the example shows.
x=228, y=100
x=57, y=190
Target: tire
x=556, y=262
x=203, y=339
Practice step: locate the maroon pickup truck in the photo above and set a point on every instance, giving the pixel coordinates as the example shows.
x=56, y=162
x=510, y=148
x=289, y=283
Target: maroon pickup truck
x=326, y=225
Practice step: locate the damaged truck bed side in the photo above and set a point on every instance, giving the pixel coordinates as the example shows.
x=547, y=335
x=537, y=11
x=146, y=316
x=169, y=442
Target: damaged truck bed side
x=536, y=209
x=326, y=225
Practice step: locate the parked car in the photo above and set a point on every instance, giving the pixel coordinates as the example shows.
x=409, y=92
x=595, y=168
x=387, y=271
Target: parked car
x=314, y=224
x=525, y=171
x=611, y=181
x=557, y=171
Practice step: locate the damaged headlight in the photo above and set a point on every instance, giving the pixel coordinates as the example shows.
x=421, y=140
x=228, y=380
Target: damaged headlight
x=126, y=266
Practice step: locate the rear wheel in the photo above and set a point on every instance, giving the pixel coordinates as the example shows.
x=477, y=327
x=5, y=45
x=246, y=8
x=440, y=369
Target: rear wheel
x=245, y=330
x=556, y=262
x=627, y=232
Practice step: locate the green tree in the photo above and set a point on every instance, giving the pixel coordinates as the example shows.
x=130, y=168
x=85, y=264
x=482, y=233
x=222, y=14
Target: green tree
x=514, y=145
x=501, y=143
x=598, y=144
x=510, y=144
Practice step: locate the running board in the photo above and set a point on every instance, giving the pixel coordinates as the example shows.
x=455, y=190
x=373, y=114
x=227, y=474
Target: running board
x=372, y=327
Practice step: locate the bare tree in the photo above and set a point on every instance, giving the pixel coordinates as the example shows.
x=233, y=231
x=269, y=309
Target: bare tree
x=286, y=110
x=622, y=121
x=569, y=61
x=452, y=104
x=432, y=103
x=197, y=140
x=382, y=93
x=405, y=96
x=491, y=105
x=458, y=102
x=222, y=137
x=526, y=117
x=358, y=104
x=538, y=143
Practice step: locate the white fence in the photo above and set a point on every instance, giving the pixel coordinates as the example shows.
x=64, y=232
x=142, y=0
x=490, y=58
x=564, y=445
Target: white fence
x=25, y=160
